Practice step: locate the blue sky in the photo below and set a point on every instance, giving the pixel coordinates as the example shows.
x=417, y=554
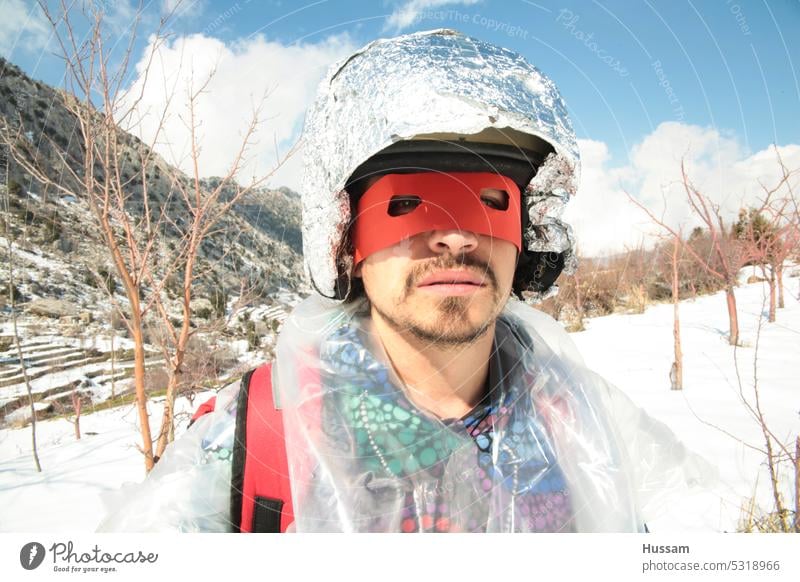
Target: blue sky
x=729, y=65
x=725, y=69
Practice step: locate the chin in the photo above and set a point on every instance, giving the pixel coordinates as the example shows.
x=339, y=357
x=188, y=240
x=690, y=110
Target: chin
x=457, y=315
x=475, y=308
x=450, y=335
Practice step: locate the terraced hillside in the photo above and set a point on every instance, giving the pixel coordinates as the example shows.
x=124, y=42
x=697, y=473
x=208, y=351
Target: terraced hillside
x=57, y=366
x=61, y=356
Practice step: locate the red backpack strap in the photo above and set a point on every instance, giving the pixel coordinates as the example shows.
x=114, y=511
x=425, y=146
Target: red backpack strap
x=205, y=408
x=261, y=499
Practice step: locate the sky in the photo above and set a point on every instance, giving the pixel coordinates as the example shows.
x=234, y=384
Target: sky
x=647, y=84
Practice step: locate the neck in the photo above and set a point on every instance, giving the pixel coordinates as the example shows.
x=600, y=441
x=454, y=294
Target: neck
x=446, y=381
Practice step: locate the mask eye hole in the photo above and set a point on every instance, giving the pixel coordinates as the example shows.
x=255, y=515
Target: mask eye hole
x=403, y=204
x=493, y=198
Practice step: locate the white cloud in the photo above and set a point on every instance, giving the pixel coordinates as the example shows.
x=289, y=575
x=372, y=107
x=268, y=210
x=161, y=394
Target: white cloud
x=413, y=10
x=243, y=72
x=605, y=221
x=600, y=206
x=22, y=27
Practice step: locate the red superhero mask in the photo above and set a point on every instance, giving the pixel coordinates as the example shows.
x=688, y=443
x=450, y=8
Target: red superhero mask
x=398, y=206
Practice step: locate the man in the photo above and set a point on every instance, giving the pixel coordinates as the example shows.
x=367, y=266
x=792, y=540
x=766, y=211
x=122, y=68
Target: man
x=414, y=392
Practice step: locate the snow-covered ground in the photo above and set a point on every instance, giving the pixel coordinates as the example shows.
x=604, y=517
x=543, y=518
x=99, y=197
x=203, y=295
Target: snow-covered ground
x=67, y=495
x=632, y=351
x=709, y=415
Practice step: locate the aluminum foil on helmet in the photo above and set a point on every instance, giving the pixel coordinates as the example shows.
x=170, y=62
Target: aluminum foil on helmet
x=423, y=97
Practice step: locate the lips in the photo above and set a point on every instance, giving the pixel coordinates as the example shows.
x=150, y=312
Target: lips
x=451, y=277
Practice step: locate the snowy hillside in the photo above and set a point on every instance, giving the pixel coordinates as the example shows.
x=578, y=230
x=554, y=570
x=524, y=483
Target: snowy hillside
x=632, y=351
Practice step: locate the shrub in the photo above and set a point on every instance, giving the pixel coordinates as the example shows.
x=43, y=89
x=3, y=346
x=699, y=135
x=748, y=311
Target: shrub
x=14, y=188
x=106, y=277
x=66, y=244
x=174, y=285
x=636, y=298
x=10, y=291
x=52, y=230
x=118, y=323
x=202, y=309
x=253, y=338
x=219, y=299
x=156, y=380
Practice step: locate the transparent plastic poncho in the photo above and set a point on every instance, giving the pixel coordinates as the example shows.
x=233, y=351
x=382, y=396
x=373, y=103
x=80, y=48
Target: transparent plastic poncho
x=189, y=489
x=551, y=448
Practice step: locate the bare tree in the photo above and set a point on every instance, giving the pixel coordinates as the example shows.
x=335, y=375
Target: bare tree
x=729, y=258
x=797, y=484
x=72, y=410
x=206, y=207
x=75, y=399
x=789, y=230
x=98, y=169
x=727, y=255
x=12, y=295
x=676, y=369
x=769, y=234
x=757, y=237
x=777, y=452
x=785, y=219
x=676, y=375
x=788, y=242
x=115, y=175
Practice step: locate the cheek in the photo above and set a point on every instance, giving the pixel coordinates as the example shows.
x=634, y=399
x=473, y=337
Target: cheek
x=505, y=262
x=389, y=267
x=511, y=260
x=385, y=275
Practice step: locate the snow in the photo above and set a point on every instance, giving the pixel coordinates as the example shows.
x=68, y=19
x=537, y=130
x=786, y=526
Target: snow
x=63, y=377
x=632, y=351
x=24, y=413
x=105, y=344
x=34, y=258
x=49, y=352
x=66, y=495
x=635, y=353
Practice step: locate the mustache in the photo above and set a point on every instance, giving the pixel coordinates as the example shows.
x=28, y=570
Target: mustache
x=475, y=265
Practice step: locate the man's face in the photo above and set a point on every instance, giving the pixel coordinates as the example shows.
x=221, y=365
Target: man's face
x=446, y=287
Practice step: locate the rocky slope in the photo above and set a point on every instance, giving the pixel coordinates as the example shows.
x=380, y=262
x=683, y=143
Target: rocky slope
x=65, y=285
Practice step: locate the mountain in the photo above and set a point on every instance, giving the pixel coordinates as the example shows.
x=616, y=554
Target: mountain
x=64, y=280
x=261, y=235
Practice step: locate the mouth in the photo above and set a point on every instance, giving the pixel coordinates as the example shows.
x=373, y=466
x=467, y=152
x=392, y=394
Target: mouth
x=452, y=282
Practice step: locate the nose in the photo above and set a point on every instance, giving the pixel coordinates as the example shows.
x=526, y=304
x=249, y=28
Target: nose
x=455, y=242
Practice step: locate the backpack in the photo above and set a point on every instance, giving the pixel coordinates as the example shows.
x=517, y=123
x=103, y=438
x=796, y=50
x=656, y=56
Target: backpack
x=261, y=498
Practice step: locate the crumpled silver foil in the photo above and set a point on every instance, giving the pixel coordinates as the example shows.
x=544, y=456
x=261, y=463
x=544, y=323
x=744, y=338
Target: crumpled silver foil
x=437, y=81
x=545, y=199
